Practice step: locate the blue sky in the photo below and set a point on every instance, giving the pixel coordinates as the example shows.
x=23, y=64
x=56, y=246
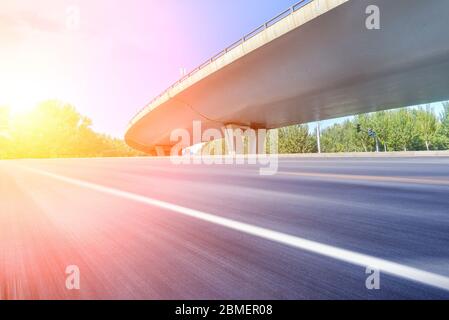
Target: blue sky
x=114, y=57
x=109, y=58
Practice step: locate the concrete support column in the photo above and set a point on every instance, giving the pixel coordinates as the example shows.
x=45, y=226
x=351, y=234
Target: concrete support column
x=257, y=139
x=164, y=151
x=318, y=136
x=252, y=141
x=235, y=139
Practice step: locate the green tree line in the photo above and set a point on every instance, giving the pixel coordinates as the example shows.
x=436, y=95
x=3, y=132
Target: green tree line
x=55, y=130
x=405, y=129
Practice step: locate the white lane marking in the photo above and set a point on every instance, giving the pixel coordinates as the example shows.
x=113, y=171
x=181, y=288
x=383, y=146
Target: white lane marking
x=392, y=268
x=343, y=177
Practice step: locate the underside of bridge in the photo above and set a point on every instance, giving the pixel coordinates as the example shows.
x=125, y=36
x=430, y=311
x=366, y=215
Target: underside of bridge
x=320, y=62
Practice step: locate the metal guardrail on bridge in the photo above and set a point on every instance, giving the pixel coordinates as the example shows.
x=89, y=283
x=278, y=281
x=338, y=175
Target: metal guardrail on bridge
x=245, y=38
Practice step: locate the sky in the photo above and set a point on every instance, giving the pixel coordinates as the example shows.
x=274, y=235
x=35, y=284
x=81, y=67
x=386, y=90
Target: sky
x=109, y=59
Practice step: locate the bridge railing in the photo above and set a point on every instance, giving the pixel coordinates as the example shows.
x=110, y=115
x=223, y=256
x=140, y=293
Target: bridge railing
x=245, y=38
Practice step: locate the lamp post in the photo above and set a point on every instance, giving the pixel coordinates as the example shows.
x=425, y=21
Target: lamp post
x=318, y=141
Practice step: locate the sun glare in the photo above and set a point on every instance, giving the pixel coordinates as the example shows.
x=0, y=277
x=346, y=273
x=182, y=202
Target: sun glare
x=21, y=94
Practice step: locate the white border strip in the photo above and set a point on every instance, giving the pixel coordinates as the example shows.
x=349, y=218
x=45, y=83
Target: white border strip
x=392, y=268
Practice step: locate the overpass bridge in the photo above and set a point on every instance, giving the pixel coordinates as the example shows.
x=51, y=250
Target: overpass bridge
x=315, y=61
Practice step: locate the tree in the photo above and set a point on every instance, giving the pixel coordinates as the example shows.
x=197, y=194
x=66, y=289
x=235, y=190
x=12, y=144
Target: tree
x=55, y=129
x=404, y=132
x=426, y=125
x=344, y=137
x=296, y=139
x=441, y=139
x=397, y=130
x=4, y=131
x=382, y=125
x=366, y=122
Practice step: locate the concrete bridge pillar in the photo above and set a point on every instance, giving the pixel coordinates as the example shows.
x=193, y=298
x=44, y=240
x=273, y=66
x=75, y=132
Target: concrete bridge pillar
x=256, y=141
x=165, y=151
x=235, y=139
x=243, y=139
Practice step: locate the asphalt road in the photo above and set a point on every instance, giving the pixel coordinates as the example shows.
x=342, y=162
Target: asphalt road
x=148, y=229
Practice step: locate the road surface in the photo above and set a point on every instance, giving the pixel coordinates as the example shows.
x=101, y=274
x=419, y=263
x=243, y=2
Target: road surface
x=144, y=228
